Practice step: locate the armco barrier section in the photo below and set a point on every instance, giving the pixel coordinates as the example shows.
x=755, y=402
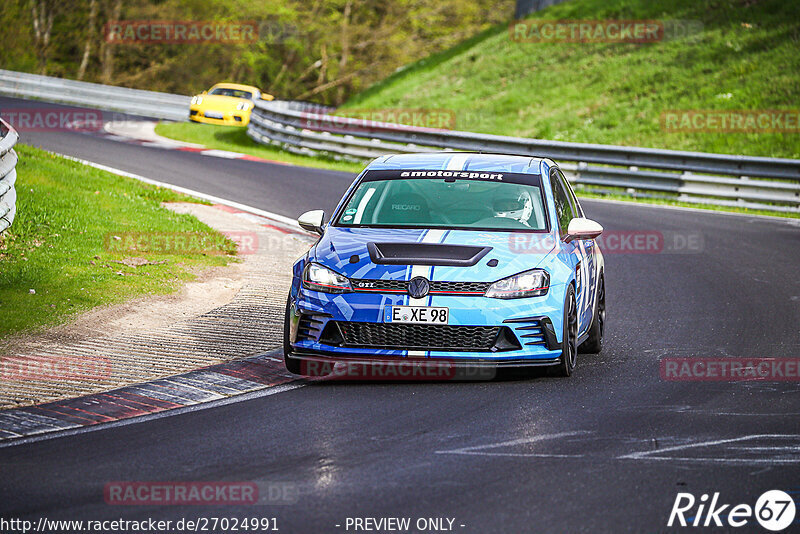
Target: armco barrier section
x=717, y=179
x=94, y=95
x=8, y=175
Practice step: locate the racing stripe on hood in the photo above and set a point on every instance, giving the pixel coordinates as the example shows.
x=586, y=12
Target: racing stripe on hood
x=457, y=163
x=431, y=236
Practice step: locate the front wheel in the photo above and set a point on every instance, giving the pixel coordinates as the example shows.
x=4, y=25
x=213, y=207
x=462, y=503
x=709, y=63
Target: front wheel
x=569, y=339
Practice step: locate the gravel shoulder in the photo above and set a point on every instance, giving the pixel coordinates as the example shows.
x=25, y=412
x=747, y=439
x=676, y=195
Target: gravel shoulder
x=226, y=313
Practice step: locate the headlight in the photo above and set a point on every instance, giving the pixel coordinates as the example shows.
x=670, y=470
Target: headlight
x=197, y=100
x=534, y=283
x=319, y=278
x=241, y=106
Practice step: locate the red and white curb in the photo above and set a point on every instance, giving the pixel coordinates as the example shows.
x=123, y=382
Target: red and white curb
x=205, y=385
x=142, y=133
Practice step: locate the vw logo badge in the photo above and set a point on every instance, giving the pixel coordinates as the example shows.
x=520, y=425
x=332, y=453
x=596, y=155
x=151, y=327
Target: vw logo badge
x=418, y=287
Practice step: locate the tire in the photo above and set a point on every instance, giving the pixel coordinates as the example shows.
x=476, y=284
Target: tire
x=594, y=343
x=292, y=364
x=569, y=339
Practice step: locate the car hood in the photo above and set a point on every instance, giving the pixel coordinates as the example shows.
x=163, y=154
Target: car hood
x=347, y=251
x=221, y=103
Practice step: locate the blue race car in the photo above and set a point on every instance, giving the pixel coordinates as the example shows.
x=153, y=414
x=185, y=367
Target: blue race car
x=470, y=259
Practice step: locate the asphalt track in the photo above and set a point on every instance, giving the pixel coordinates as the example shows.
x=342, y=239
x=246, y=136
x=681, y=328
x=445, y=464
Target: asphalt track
x=606, y=450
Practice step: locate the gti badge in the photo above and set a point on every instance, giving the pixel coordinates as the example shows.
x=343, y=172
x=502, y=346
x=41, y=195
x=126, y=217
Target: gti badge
x=418, y=287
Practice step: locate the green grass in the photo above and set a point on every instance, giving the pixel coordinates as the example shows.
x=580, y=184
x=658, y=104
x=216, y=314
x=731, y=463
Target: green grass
x=746, y=58
x=234, y=139
x=66, y=213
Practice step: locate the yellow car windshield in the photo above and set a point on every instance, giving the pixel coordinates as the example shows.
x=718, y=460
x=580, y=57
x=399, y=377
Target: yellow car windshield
x=236, y=93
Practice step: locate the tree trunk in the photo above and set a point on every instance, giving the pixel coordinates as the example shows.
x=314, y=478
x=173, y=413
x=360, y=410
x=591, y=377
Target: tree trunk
x=43, y=14
x=345, y=48
x=108, y=49
x=323, y=70
x=87, y=49
x=326, y=86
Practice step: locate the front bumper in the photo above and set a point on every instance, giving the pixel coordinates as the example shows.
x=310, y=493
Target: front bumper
x=534, y=325
x=227, y=118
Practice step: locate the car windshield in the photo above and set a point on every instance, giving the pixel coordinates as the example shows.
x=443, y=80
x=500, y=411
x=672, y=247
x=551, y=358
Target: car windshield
x=227, y=91
x=426, y=202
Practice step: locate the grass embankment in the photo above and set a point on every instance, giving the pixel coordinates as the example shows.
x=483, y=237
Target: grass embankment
x=59, y=257
x=235, y=139
x=745, y=58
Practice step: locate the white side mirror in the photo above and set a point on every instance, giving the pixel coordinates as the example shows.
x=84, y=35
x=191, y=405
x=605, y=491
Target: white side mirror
x=580, y=228
x=312, y=221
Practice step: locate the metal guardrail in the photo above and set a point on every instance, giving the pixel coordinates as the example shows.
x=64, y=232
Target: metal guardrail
x=8, y=175
x=94, y=95
x=717, y=179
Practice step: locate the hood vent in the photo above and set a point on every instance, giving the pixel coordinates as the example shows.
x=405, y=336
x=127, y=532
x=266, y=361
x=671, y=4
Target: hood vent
x=425, y=254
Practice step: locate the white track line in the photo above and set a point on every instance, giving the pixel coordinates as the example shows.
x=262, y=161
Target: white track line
x=197, y=194
x=658, y=453
x=480, y=450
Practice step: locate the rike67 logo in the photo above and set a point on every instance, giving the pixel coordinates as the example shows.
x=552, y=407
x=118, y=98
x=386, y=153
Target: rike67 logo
x=774, y=510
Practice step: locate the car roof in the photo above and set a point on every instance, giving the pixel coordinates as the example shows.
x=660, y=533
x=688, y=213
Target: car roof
x=463, y=161
x=236, y=86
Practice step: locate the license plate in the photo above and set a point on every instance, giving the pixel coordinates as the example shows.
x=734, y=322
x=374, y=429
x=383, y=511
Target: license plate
x=213, y=115
x=416, y=315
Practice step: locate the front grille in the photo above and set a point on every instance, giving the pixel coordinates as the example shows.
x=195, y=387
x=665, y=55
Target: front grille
x=460, y=287
x=420, y=336
x=437, y=287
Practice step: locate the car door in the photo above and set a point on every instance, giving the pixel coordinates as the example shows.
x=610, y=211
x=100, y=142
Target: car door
x=589, y=248
x=566, y=210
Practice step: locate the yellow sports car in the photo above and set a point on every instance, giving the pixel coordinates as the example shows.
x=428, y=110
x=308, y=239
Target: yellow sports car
x=226, y=103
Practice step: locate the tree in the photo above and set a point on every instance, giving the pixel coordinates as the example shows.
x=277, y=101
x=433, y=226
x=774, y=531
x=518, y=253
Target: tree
x=43, y=13
x=90, y=36
x=114, y=12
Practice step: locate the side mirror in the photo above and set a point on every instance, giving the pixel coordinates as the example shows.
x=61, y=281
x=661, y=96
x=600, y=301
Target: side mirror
x=204, y=93
x=580, y=228
x=265, y=96
x=312, y=221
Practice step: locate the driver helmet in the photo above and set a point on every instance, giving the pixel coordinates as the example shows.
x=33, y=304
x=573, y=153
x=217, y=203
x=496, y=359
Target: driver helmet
x=513, y=203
